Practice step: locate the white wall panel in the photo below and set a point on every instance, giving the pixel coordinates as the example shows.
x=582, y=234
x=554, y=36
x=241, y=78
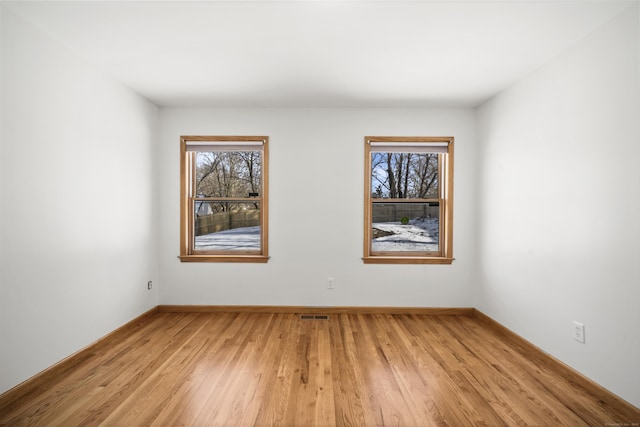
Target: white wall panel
x=316, y=211
x=558, y=218
x=78, y=226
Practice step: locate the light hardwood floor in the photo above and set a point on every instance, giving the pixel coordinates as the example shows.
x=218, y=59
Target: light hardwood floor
x=243, y=369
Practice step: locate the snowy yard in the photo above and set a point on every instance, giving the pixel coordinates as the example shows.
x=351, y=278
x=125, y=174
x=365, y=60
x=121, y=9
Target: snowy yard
x=420, y=235
x=236, y=239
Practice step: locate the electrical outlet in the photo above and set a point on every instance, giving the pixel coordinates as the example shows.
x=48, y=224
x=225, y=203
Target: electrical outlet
x=331, y=283
x=578, y=331
x=149, y=284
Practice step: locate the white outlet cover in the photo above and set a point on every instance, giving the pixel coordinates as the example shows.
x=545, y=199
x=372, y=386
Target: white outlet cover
x=578, y=331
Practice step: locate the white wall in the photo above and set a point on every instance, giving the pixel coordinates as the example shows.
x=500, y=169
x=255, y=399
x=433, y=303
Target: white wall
x=316, y=211
x=3, y=297
x=560, y=184
x=78, y=228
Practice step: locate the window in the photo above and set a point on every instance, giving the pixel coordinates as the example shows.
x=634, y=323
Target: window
x=223, y=198
x=408, y=200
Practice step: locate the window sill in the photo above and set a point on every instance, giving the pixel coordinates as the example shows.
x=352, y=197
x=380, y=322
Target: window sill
x=224, y=258
x=406, y=260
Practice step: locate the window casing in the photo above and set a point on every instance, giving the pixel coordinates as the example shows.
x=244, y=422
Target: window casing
x=408, y=200
x=224, y=198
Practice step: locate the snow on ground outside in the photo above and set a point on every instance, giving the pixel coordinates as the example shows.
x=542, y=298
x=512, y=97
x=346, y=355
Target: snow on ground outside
x=236, y=239
x=421, y=234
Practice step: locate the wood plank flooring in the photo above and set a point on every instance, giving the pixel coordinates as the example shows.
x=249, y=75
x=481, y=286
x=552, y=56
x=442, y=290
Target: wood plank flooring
x=243, y=369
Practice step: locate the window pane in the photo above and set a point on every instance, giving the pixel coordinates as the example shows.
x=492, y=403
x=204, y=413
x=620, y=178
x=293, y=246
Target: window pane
x=412, y=227
x=228, y=174
x=226, y=226
x=404, y=175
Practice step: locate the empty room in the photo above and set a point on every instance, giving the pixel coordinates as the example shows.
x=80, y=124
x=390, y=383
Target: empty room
x=330, y=213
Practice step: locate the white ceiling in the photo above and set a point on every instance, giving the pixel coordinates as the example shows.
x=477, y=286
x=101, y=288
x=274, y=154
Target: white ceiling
x=318, y=53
